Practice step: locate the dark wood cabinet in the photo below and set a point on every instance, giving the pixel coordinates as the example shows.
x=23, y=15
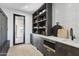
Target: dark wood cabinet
x=42, y=19
x=40, y=45
x=48, y=52
x=66, y=50
x=71, y=51
x=38, y=42
x=49, y=47
x=60, y=48
x=35, y=41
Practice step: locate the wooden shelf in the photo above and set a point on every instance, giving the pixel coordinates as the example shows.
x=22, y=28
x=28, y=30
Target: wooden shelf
x=42, y=28
x=35, y=23
x=42, y=18
x=35, y=27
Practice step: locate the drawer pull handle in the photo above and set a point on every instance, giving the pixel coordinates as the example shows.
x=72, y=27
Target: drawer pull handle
x=48, y=48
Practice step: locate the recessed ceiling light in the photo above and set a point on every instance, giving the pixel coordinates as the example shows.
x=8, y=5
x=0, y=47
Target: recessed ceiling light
x=25, y=6
x=69, y=5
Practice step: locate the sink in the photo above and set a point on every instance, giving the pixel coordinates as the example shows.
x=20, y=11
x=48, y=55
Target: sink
x=72, y=41
x=76, y=41
x=64, y=40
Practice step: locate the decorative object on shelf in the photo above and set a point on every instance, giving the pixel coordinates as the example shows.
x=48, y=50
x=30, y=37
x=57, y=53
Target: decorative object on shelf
x=43, y=32
x=42, y=11
x=36, y=32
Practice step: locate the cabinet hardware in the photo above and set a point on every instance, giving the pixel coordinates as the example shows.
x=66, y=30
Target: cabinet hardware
x=48, y=48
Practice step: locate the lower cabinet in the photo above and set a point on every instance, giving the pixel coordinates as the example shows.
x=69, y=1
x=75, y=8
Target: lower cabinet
x=38, y=42
x=66, y=50
x=48, y=52
x=60, y=48
x=4, y=49
x=40, y=45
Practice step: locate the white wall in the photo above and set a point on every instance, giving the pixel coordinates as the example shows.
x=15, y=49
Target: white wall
x=28, y=24
x=68, y=16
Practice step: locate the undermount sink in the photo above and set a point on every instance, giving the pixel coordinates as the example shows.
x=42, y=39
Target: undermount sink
x=73, y=41
x=76, y=41
x=65, y=40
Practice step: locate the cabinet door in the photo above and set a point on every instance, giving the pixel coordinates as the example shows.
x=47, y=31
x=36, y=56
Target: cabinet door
x=35, y=41
x=59, y=49
x=66, y=50
x=70, y=51
x=40, y=44
x=0, y=30
x=3, y=21
x=5, y=26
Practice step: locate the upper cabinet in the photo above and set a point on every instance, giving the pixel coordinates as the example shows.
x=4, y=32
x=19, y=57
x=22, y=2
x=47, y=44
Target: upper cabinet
x=42, y=19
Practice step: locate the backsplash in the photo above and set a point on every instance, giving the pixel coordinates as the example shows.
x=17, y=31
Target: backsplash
x=68, y=16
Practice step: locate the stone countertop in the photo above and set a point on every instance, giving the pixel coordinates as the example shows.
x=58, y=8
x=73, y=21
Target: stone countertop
x=61, y=40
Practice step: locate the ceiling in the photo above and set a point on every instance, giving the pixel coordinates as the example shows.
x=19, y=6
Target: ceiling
x=26, y=7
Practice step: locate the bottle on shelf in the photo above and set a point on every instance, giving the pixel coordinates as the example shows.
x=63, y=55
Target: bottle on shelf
x=43, y=32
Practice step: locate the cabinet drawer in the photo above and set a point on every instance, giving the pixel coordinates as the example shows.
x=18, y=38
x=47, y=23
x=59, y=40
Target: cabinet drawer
x=49, y=51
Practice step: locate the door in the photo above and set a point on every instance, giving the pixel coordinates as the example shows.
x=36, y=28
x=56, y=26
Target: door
x=19, y=29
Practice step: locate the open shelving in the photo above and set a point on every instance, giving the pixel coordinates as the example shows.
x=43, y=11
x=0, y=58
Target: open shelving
x=42, y=19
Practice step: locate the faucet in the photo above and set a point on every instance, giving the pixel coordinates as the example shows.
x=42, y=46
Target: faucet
x=71, y=34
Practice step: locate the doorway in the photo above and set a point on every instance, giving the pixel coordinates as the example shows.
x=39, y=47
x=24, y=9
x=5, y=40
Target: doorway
x=18, y=29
